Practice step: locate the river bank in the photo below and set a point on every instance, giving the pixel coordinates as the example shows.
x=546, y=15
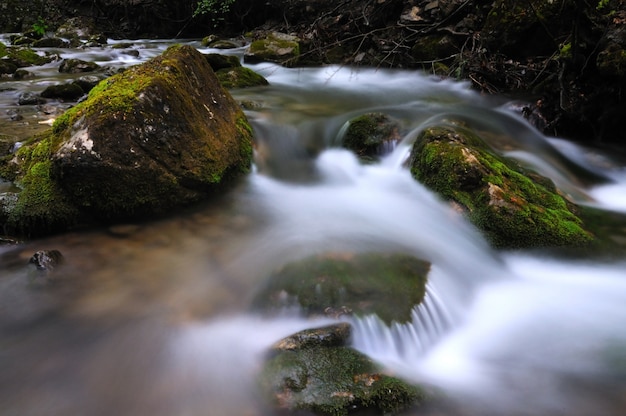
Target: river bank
x=571, y=75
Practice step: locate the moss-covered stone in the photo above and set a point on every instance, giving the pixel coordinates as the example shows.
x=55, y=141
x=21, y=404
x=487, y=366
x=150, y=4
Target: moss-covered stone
x=514, y=208
x=23, y=57
x=388, y=285
x=76, y=66
x=240, y=77
x=219, y=61
x=516, y=28
x=433, y=48
x=332, y=380
x=371, y=135
x=69, y=91
x=611, y=61
x=275, y=47
x=158, y=136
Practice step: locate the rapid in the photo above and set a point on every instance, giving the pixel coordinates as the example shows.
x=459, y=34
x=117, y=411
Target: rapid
x=154, y=318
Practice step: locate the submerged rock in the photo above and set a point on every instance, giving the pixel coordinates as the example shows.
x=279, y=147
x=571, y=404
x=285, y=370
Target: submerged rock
x=513, y=207
x=371, y=135
x=158, y=136
x=46, y=260
x=388, y=285
x=315, y=370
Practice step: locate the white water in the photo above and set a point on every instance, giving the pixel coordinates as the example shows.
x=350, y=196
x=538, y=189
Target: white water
x=160, y=324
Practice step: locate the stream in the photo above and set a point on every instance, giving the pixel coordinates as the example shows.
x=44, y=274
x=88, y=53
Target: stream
x=154, y=318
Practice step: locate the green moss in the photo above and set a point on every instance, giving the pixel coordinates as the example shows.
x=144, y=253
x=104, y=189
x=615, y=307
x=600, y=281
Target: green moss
x=118, y=94
x=3, y=50
x=389, y=286
x=240, y=77
x=27, y=57
x=499, y=197
x=41, y=207
x=333, y=381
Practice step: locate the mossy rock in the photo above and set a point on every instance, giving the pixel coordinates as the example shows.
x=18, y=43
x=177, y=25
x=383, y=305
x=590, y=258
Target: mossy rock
x=77, y=66
x=513, y=207
x=219, y=61
x=23, y=57
x=276, y=47
x=388, y=285
x=153, y=138
x=434, y=48
x=611, y=61
x=240, y=77
x=521, y=28
x=51, y=43
x=371, y=135
x=332, y=380
x=69, y=91
x=7, y=67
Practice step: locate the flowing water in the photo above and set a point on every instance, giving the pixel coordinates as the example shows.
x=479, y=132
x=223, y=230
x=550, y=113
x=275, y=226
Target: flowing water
x=154, y=318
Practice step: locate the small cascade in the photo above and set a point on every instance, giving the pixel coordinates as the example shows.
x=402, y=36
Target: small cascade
x=430, y=322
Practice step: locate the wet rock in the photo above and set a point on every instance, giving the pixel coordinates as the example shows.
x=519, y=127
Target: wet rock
x=219, y=61
x=24, y=57
x=23, y=74
x=388, y=285
x=330, y=336
x=51, y=43
x=7, y=67
x=77, y=28
x=314, y=370
x=371, y=135
x=146, y=141
x=276, y=47
x=46, y=260
x=30, y=98
x=75, y=66
x=67, y=92
x=14, y=115
x=513, y=207
x=88, y=82
x=223, y=44
x=240, y=77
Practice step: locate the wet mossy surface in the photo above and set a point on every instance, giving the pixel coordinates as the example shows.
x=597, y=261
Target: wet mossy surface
x=240, y=77
x=332, y=379
x=371, y=135
x=388, y=285
x=513, y=207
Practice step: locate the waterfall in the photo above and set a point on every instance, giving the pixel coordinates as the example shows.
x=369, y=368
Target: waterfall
x=430, y=321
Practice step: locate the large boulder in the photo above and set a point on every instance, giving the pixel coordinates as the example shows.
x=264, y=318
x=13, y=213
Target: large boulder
x=515, y=208
x=314, y=370
x=158, y=136
x=387, y=285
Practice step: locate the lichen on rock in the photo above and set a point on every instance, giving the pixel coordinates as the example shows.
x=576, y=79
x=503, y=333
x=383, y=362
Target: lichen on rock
x=513, y=207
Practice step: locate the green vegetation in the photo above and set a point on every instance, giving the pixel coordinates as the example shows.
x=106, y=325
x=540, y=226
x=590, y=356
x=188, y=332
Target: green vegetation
x=216, y=9
x=40, y=27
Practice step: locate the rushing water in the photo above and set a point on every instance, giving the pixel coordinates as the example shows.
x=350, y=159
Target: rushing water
x=154, y=318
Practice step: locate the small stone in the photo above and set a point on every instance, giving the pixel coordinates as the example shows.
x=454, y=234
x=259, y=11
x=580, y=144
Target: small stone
x=46, y=260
